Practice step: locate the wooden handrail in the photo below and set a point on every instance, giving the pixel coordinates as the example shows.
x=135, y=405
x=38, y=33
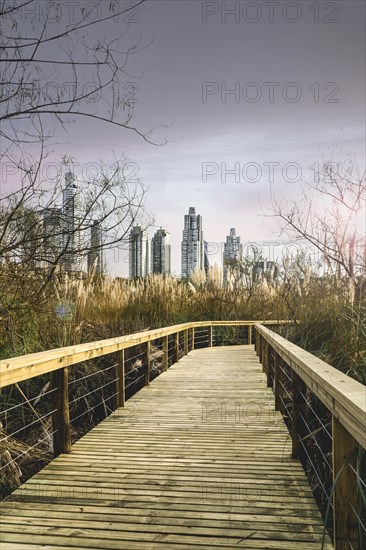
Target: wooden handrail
x=345, y=399
x=18, y=369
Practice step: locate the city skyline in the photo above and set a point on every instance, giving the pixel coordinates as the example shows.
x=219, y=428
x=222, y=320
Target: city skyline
x=206, y=252
x=153, y=255
x=216, y=144
x=226, y=153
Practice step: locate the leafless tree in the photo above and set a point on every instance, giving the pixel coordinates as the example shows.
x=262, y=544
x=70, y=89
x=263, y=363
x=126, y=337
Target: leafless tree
x=330, y=215
x=61, y=62
x=38, y=230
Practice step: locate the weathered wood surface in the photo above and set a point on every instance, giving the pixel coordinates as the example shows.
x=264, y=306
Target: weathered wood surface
x=344, y=397
x=197, y=460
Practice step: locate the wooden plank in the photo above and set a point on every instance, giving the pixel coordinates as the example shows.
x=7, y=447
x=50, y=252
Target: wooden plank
x=87, y=540
x=199, y=459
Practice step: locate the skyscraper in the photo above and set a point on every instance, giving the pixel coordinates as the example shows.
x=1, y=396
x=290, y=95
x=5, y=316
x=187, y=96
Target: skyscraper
x=72, y=220
x=160, y=252
x=95, y=253
x=52, y=235
x=233, y=253
x=139, y=257
x=192, y=244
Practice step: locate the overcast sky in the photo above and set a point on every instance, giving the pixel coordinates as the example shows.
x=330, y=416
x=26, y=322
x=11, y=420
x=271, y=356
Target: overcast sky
x=297, y=70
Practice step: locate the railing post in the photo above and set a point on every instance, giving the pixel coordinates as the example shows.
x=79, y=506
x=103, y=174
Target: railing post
x=120, y=375
x=269, y=366
x=147, y=357
x=186, y=342
x=260, y=344
x=165, y=353
x=298, y=411
x=61, y=416
x=210, y=336
x=277, y=382
x=250, y=334
x=176, y=347
x=192, y=343
x=264, y=348
x=345, y=492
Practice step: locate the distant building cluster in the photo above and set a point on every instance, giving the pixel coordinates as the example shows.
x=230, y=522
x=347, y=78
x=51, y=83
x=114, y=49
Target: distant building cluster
x=65, y=237
x=147, y=257
x=68, y=237
x=155, y=257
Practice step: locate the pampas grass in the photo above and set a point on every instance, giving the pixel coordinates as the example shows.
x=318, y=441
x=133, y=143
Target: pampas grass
x=73, y=310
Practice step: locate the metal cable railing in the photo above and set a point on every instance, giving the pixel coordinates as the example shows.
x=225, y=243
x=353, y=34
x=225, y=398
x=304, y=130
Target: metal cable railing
x=325, y=447
x=26, y=432
x=50, y=399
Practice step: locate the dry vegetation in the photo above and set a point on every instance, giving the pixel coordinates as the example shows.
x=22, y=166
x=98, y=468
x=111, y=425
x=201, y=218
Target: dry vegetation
x=73, y=311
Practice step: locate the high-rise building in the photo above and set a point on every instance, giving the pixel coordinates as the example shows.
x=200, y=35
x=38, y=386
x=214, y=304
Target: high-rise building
x=160, y=252
x=192, y=244
x=72, y=221
x=232, y=256
x=95, y=253
x=139, y=257
x=52, y=235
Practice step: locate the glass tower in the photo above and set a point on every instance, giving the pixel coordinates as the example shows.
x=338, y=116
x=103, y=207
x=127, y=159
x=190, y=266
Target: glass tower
x=192, y=244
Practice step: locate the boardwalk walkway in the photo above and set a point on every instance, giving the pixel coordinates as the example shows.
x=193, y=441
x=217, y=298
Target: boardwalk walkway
x=198, y=460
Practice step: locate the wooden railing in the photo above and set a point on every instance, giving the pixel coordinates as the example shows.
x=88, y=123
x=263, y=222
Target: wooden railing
x=58, y=361
x=301, y=383
x=298, y=379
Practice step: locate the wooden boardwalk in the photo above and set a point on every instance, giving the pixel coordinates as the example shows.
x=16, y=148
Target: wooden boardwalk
x=197, y=460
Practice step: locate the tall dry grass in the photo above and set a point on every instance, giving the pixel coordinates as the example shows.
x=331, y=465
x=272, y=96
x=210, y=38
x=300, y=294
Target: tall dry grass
x=74, y=310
